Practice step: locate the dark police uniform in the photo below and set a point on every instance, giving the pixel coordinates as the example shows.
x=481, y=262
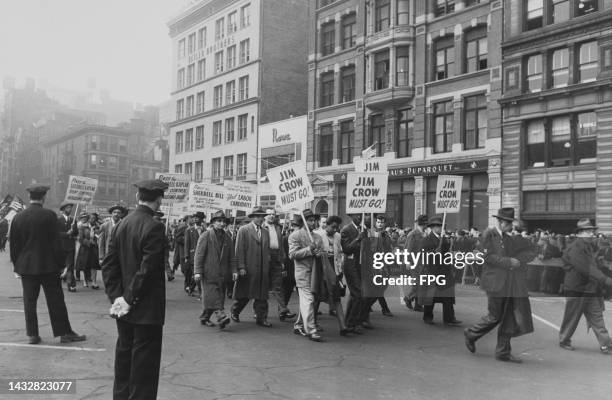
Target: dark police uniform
x=134, y=269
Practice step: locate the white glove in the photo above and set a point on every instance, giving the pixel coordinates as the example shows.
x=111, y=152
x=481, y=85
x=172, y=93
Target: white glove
x=120, y=307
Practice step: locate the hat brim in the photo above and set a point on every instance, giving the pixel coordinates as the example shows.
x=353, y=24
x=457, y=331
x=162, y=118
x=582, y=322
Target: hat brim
x=257, y=214
x=434, y=224
x=504, y=218
x=66, y=205
x=586, y=228
x=123, y=209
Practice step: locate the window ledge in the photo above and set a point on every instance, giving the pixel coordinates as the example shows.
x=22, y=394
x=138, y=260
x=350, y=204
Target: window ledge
x=567, y=90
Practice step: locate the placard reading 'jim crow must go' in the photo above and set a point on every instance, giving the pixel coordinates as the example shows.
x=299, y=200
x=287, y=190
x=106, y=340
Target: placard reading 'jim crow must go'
x=448, y=193
x=366, y=192
x=291, y=186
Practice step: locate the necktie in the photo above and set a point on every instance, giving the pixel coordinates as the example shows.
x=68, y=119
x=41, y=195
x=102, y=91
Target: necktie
x=259, y=232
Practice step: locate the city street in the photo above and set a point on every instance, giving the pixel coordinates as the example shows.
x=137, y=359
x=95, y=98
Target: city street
x=401, y=359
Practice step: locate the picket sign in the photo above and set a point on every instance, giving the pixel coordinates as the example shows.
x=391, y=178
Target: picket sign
x=448, y=196
x=366, y=192
x=178, y=188
x=80, y=190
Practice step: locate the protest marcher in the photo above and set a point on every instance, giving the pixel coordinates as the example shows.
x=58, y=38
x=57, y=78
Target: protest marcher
x=37, y=256
x=277, y=267
x=117, y=212
x=351, y=236
x=288, y=283
x=159, y=216
x=380, y=243
x=436, y=246
x=4, y=227
x=179, y=250
x=94, y=261
x=252, y=272
x=68, y=233
x=584, y=286
x=84, y=248
x=414, y=244
x=133, y=272
x=304, y=249
x=192, y=234
x=504, y=277
x=212, y=265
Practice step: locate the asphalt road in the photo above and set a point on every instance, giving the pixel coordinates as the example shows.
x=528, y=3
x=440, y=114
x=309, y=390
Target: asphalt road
x=402, y=358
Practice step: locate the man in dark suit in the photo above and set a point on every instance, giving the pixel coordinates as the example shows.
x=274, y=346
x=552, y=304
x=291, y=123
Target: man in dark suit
x=134, y=279
x=37, y=257
x=192, y=234
x=504, y=279
x=68, y=233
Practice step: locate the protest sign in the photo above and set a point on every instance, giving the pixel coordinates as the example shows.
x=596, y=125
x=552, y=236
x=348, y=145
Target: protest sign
x=291, y=186
x=448, y=193
x=206, y=198
x=240, y=196
x=81, y=190
x=378, y=164
x=178, y=186
x=366, y=192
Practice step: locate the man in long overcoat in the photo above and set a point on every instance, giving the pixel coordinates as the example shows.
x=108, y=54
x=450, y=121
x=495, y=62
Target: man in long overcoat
x=38, y=258
x=504, y=278
x=68, y=233
x=252, y=269
x=213, y=260
x=134, y=280
x=351, y=236
x=414, y=244
x=192, y=234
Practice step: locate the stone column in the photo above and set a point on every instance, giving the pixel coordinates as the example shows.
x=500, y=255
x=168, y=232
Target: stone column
x=604, y=171
x=392, y=66
x=419, y=196
x=494, y=188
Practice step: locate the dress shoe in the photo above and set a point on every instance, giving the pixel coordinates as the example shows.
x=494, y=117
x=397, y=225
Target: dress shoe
x=318, y=328
x=315, y=337
x=469, y=343
x=72, y=337
x=408, y=303
x=367, y=325
x=454, y=322
x=223, y=322
x=72, y=289
x=429, y=321
x=567, y=346
x=286, y=316
x=509, y=358
x=355, y=329
x=264, y=323
x=170, y=278
x=606, y=349
x=235, y=317
x=387, y=313
x=34, y=339
x=95, y=287
x=299, y=330
x=418, y=308
x=207, y=322
x=344, y=331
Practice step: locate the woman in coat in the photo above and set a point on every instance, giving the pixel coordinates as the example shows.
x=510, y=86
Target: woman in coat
x=83, y=248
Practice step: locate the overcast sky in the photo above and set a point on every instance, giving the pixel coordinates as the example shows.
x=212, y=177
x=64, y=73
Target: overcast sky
x=124, y=44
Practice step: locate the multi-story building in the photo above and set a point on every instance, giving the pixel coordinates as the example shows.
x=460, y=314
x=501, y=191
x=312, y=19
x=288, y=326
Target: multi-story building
x=116, y=157
x=557, y=112
x=237, y=64
x=419, y=81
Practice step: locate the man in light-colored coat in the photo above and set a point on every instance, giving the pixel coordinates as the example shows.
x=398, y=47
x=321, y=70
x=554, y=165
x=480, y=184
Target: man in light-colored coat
x=117, y=212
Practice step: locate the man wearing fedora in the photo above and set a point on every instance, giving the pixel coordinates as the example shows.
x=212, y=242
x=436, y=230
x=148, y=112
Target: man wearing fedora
x=192, y=234
x=38, y=258
x=117, y=212
x=414, y=244
x=584, y=286
x=213, y=264
x=68, y=233
x=444, y=293
x=252, y=269
x=504, y=278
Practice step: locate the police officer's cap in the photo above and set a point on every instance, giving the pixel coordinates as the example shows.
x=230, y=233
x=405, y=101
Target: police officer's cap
x=38, y=189
x=152, y=186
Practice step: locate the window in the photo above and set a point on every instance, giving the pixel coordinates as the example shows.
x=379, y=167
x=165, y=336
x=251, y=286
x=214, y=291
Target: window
x=178, y=168
x=381, y=70
x=228, y=166
x=377, y=134
x=328, y=38
x=189, y=140
x=475, y=133
x=232, y=22
x=477, y=49
x=402, y=66
x=180, y=78
x=123, y=145
x=560, y=68
x=326, y=145
x=190, y=74
x=180, y=109
x=200, y=102
x=560, y=141
x=444, y=7
x=405, y=129
x=347, y=141
x=349, y=31
x=323, y=3
x=217, y=134
x=245, y=16
x=535, y=14
x=218, y=99
x=93, y=142
x=403, y=12
x=191, y=41
x=199, y=140
x=112, y=186
x=443, y=127
x=219, y=28
x=242, y=166
x=230, y=92
x=607, y=57
x=245, y=51
x=201, y=70
x=382, y=15
x=445, y=58
x=348, y=84
x=199, y=171
x=103, y=143
x=179, y=142
x=534, y=73
x=242, y=126
x=471, y=2
x=229, y=130
x=216, y=170
x=586, y=138
x=327, y=89
x=584, y=7
x=231, y=57
x=243, y=88
x=112, y=162
x=201, y=38
x=219, y=62
x=113, y=145
x=181, y=48
x=93, y=161
x=536, y=139
x=189, y=170
x=589, y=62
x=189, y=106
x=560, y=11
